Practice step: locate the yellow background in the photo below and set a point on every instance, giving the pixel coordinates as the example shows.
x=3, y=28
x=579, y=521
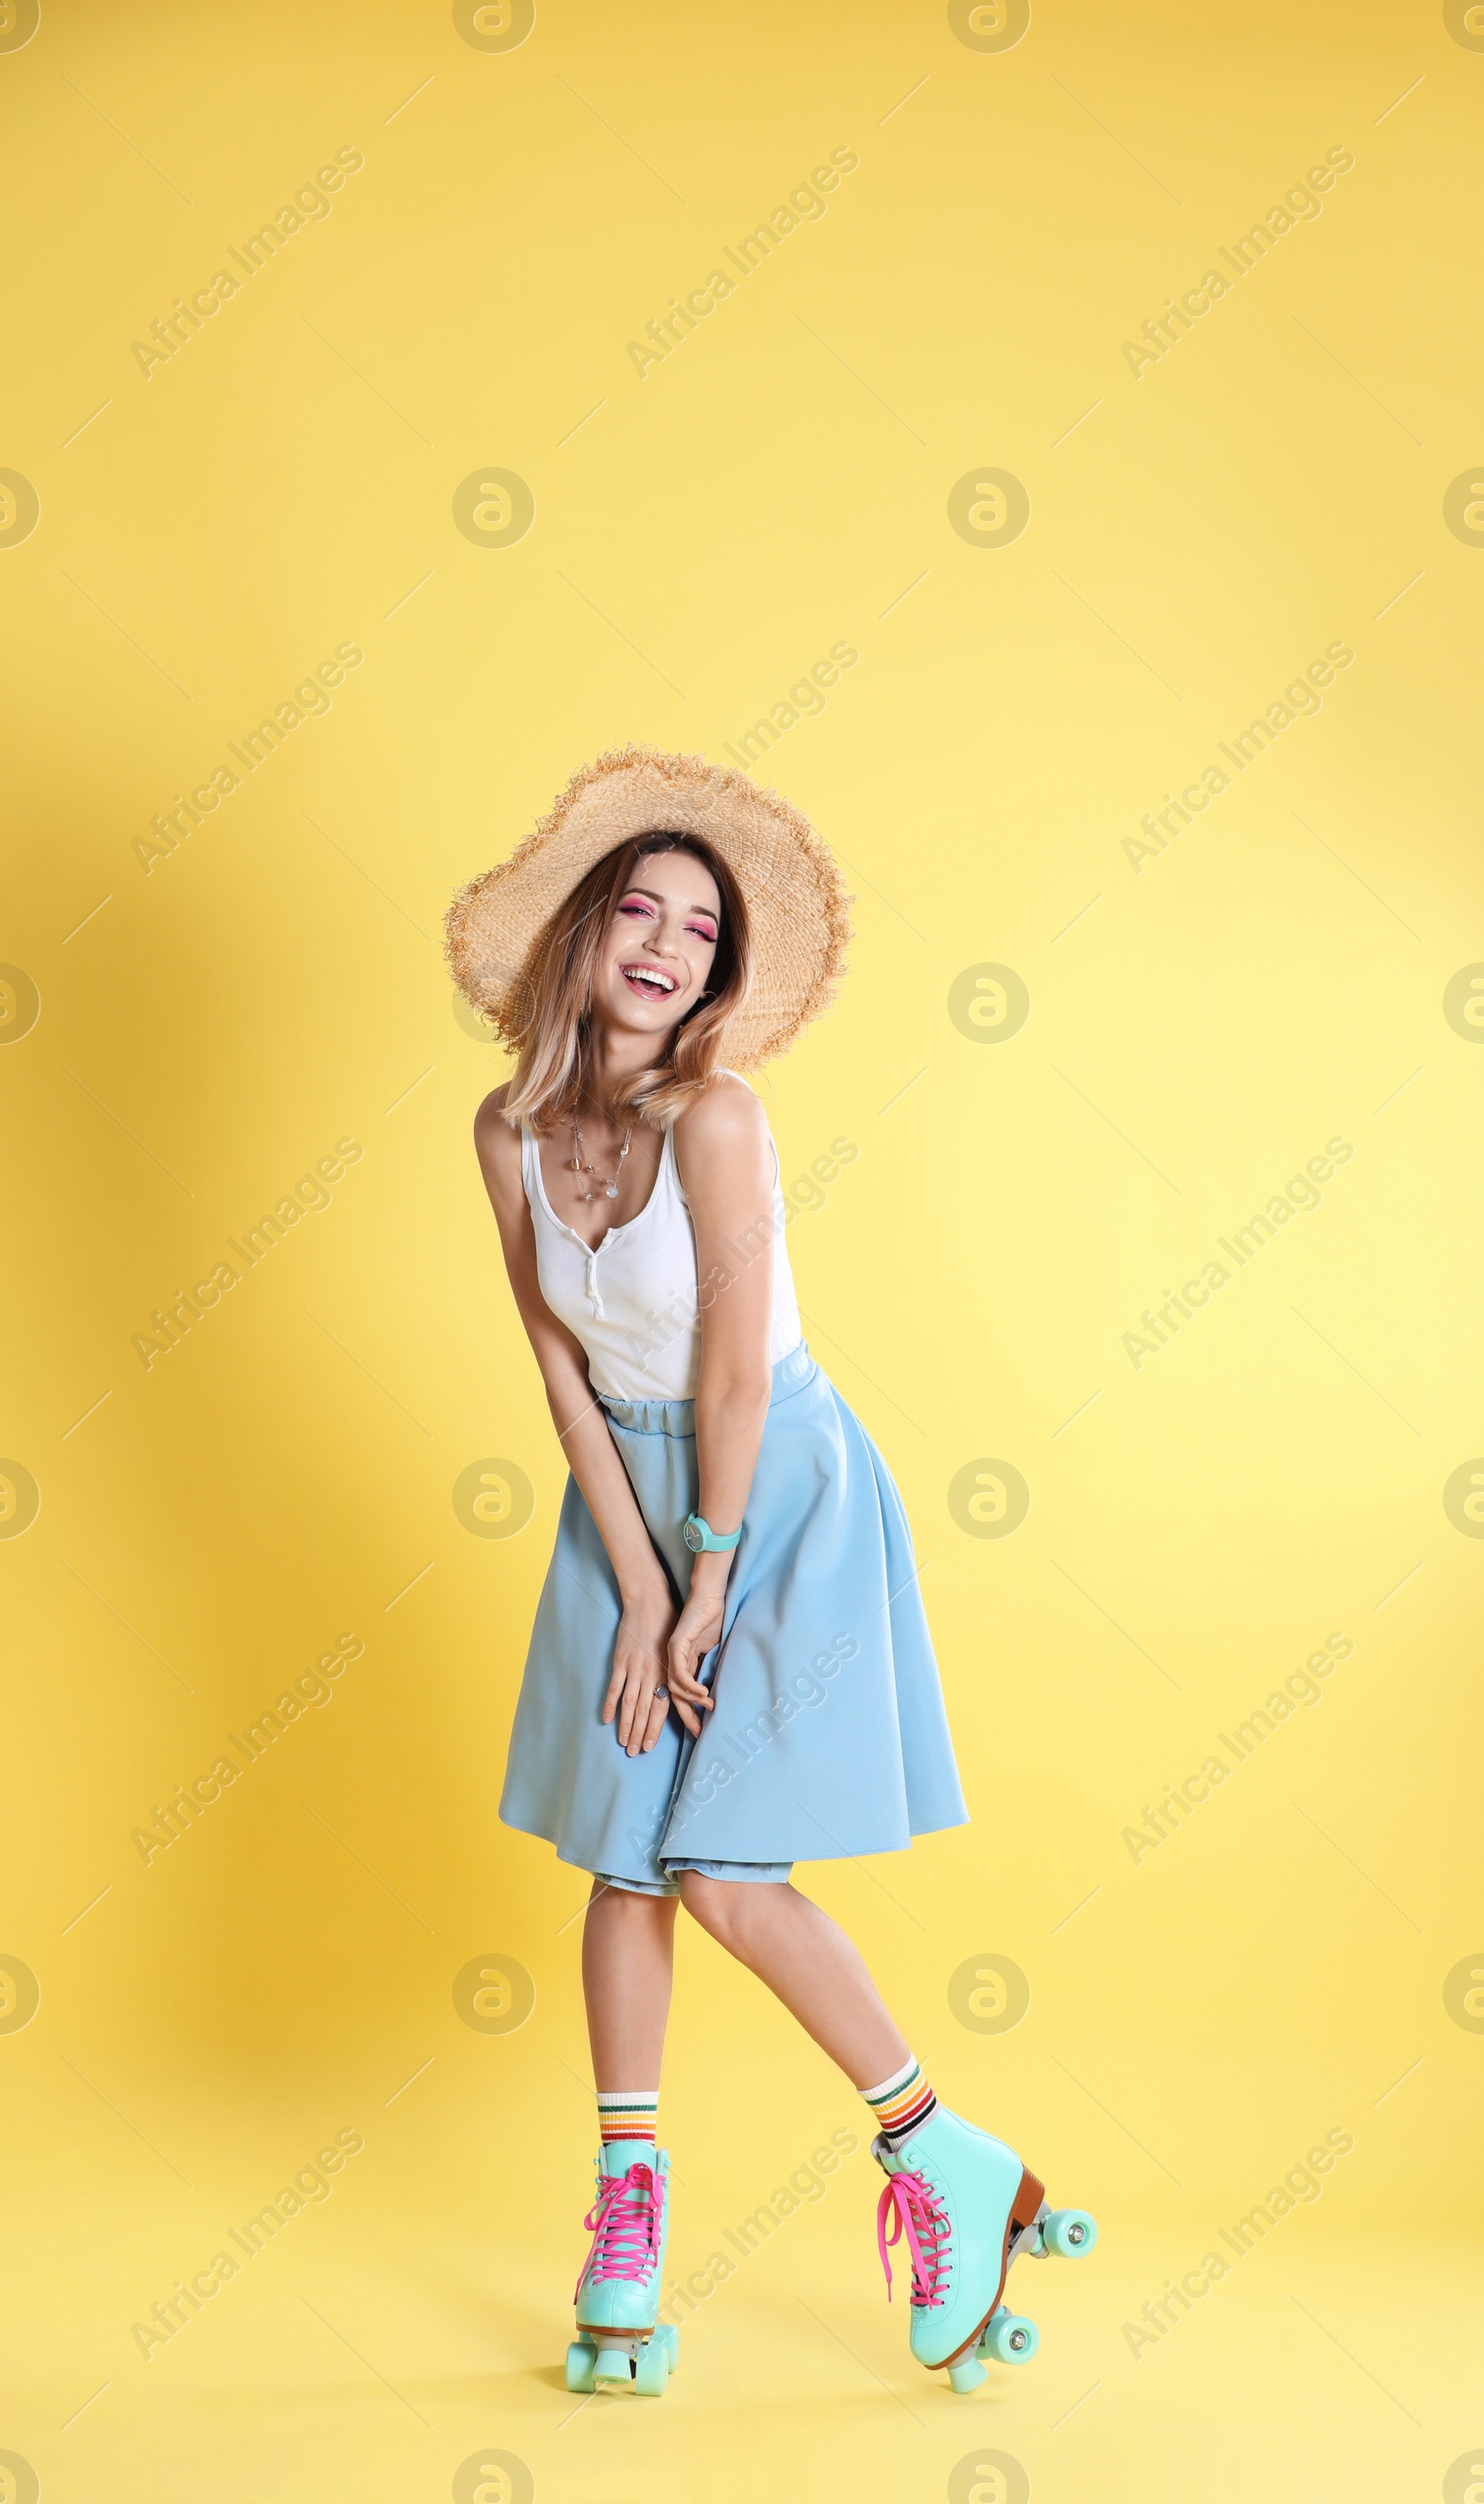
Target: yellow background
x=210, y=1028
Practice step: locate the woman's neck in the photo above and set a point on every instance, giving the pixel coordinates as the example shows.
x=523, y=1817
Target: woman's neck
x=613, y=1059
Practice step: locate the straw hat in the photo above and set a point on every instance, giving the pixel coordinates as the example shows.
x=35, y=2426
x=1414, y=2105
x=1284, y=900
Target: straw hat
x=497, y=928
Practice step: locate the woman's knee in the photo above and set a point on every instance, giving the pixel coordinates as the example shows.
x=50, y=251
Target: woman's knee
x=710, y=1902
x=728, y=1909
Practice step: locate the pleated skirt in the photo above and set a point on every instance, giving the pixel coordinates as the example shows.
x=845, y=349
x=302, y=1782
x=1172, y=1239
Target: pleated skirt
x=829, y=1738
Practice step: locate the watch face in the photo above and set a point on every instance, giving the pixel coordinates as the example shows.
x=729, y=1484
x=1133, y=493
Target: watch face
x=691, y=1534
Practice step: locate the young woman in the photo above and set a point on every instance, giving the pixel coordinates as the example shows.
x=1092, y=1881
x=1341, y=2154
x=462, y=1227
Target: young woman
x=729, y=1668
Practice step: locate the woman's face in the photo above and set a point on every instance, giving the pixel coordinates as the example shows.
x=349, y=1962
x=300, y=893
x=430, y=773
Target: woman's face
x=660, y=946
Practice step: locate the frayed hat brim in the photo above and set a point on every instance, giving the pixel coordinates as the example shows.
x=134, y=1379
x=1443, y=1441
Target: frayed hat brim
x=498, y=927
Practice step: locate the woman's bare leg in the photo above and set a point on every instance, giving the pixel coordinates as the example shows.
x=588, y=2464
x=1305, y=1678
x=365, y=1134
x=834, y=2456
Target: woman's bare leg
x=808, y=1962
x=628, y=1966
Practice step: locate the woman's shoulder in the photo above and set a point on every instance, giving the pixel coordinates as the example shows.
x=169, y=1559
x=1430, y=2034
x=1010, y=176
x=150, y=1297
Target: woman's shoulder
x=497, y=1144
x=725, y=1110
x=721, y=1137
x=491, y=1115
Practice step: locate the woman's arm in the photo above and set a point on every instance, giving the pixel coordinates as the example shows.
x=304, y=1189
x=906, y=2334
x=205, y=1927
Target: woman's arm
x=581, y=1424
x=726, y=1165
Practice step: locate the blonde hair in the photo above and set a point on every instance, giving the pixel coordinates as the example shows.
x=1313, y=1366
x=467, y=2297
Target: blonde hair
x=554, y=1046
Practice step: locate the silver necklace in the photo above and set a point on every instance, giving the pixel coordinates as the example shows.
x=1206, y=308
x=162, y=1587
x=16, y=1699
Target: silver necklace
x=584, y=1163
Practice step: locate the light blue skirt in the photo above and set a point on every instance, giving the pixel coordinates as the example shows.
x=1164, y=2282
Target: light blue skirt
x=828, y=1738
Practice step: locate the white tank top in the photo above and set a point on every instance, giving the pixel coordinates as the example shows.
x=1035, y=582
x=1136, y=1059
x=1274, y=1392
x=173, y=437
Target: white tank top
x=633, y=1301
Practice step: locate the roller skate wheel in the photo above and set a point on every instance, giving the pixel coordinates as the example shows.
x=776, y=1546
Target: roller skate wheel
x=611, y=2370
x=1010, y=2338
x=651, y=2370
x=580, y=2357
x=669, y=2337
x=967, y=2374
x=1068, y=2232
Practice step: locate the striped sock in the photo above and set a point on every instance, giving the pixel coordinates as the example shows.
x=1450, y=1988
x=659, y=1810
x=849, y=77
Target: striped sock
x=901, y=2103
x=628, y=2112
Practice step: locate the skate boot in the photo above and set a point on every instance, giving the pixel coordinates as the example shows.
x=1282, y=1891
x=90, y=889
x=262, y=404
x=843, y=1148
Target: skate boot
x=621, y=2345
x=966, y=2206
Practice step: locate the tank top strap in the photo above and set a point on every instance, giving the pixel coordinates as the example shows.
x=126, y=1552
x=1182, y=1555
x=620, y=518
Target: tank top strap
x=529, y=1153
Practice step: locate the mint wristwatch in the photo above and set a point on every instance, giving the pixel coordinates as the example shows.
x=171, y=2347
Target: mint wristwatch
x=700, y=1538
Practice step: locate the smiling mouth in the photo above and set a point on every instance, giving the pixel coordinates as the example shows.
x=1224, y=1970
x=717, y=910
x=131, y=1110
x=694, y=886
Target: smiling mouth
x=649, y=981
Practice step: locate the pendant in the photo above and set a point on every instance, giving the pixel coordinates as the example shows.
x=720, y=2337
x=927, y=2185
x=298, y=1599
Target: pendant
x=612, y=1191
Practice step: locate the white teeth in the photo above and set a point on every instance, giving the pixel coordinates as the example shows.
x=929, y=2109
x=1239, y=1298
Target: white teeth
x=649, y=975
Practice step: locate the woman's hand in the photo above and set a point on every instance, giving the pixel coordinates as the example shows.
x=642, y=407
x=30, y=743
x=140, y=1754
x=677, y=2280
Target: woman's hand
x=696, y=1628
x=637, y=1690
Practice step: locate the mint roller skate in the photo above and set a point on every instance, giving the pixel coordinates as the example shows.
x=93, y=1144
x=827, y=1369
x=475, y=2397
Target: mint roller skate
x=966, y=2206
x=621, y=2345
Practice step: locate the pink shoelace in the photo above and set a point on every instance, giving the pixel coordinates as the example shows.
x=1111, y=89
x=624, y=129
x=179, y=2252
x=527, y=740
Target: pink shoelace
x=917, y=2218
x=624, y=2222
